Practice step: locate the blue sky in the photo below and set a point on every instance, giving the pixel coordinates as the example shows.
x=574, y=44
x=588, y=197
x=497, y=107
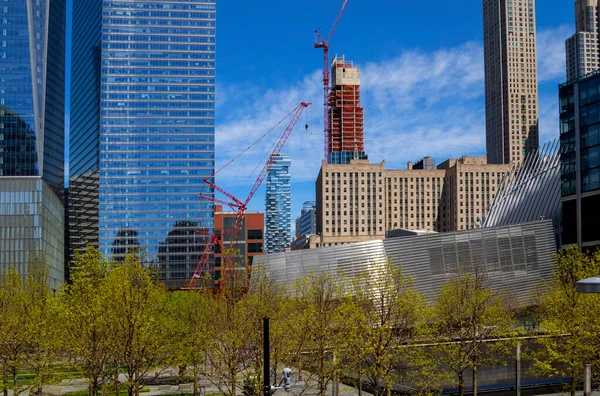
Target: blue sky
x=422, y=80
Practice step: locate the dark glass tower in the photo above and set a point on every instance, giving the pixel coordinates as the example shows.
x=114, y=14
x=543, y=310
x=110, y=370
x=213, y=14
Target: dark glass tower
x=32, y=64
x=142, y=130
x=580, y=161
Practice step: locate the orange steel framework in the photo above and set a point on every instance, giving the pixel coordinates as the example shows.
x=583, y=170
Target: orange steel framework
x=347, y=118
x=321, y=43
x=236, y=204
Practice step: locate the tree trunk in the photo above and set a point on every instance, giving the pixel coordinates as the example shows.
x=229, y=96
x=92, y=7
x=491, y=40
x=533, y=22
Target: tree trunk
x=195, y=380
x=116, y=379
x=136, y=386
x=475, y=381
x=359, y=385
x=15, y=383
x=233, y=383
x=5, y=383
x=461, y=384
x=573, y=388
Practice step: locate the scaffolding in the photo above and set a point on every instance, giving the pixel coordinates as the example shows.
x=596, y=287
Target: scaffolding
x=345, y=113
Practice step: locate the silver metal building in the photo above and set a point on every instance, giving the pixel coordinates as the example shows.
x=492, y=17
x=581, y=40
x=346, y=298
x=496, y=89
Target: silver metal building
x=530, y=191
x=516, y=259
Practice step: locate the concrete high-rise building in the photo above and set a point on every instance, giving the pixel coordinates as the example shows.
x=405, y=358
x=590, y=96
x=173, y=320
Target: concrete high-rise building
x=278, y=206
x=142, y=127
x=361, y=201
x=346, y=129
x=582, y=48
x=32, y=91
x=580, y=162
x=511, y=85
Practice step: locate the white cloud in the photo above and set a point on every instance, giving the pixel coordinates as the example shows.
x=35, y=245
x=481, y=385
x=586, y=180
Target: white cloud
x=418, y=103
x=551, y=52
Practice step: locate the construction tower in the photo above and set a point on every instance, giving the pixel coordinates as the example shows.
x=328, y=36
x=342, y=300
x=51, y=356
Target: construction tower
x=346, y=130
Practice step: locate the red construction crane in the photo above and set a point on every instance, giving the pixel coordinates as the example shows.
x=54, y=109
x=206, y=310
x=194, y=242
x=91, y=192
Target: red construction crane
x=320, y=43
x=236, y=204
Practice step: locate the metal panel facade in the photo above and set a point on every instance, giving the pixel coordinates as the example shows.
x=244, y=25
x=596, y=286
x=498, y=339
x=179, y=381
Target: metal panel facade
x=515, y=258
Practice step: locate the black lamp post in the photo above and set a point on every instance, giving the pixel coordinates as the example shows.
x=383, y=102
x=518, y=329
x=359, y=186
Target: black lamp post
x=266, y=357
x=588, y=285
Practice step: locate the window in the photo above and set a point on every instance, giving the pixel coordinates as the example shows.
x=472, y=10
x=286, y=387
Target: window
x=255, y=234
x=255, y=248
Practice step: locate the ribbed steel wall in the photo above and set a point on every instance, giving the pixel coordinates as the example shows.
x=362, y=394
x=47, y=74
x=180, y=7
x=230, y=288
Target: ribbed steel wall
x=516, y=258
x=530, y=191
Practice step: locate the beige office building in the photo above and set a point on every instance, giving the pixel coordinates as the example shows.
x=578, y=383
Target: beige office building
x=511, y=86
x=581, y=49
x=361, y=201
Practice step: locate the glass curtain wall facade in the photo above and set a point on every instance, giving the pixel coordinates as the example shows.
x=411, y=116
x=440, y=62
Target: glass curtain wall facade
x=580, y=157
x=32, y=52
x=155, y=132
x=84, y=148
x=278, y=206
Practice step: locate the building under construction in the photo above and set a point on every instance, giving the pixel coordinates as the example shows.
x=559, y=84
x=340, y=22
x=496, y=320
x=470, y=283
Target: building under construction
x=346, y=129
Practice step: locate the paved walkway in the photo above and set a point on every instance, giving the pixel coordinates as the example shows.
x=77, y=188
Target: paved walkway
x=76, y=385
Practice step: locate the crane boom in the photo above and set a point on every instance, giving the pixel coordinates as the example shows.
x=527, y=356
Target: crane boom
x=237, y=204
x=337, y=21
x=277, y=150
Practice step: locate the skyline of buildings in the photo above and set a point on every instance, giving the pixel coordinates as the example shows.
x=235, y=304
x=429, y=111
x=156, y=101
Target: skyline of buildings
x=581, y=49
x=147, y=73
x=511, y=80
x=143, y=133
x=278, y=206
x=32, y=94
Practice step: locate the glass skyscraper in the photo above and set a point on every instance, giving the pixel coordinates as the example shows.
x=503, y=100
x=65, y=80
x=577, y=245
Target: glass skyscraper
x=580, y=161
x=278, y=206
x=32, y=73
x=142, y=131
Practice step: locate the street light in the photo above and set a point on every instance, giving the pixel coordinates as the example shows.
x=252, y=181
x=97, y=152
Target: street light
x=588, y=285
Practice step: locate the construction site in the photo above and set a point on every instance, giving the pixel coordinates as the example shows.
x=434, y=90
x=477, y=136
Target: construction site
x=224, y=259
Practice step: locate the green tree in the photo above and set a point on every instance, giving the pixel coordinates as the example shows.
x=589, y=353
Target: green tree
x=570, y=317
x=384, y=313
x=13, y=341
x=264, y=298
x=323, y=326
x=41, y=324
x=88, y=330
x=466, y=317
x=143, y=335
x=191, y=315
x=231, y=330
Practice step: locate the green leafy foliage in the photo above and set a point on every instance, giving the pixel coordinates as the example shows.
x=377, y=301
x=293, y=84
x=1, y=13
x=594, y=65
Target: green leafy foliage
x=569, y=319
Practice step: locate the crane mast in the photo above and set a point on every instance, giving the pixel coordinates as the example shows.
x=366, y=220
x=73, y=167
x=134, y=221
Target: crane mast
x=321, y=43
